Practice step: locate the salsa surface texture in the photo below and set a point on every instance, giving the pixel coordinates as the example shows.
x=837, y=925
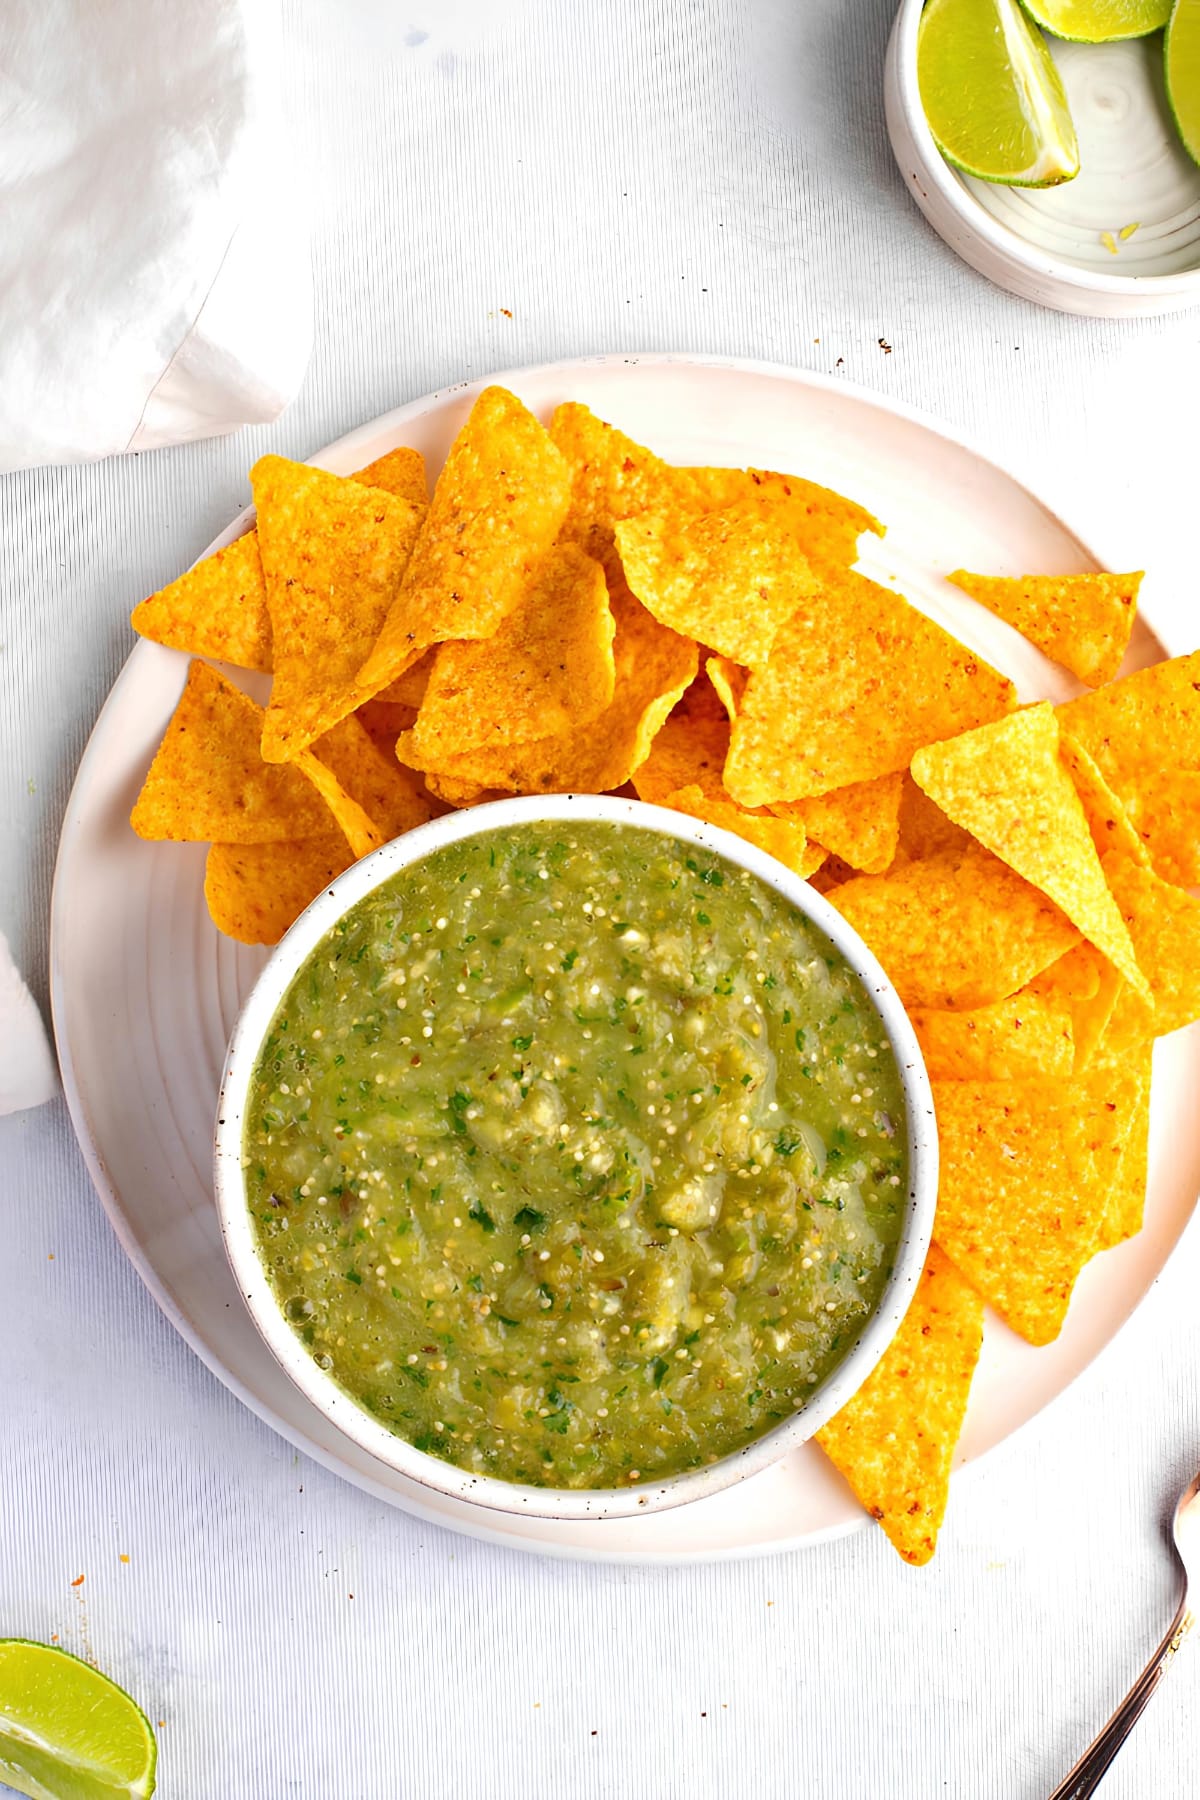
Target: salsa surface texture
x=576, y=1155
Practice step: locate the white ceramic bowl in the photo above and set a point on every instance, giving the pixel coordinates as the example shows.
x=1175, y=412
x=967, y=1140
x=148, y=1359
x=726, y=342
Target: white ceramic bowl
x=358, y=1424
x=1062, y=247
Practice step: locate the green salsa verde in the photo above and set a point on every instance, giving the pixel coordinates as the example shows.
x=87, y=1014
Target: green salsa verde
x=576, y=1155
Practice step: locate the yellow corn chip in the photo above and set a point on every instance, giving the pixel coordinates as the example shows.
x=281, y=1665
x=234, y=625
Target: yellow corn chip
x=654, y=666
x=1108, y=822
x=860, y=823
x=385, y=720
x=1164, y=924
x=612, y=478
x=894, y=1441
x=547, y=669
x=208, y=781
x=461, y=793
x=858, y=680
x=956, y=931
x=255, y=891
x=1144, y=734
x=924, y=828
x=333, y=553
x=361, y=832
x=729, y=681
x=689, y=750
x=1027, y=1168
x=1080, y=621
x=781, y=838
x=1012, y=1040
x=391, y=796
x=730, y=579
x=408, y=689
x=1127, y=1200
x=825, y=523
x=496, y=510
x=1005, y=784
x=400, y=472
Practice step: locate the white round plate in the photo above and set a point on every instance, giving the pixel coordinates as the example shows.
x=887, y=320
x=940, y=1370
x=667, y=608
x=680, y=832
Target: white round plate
x=145, y=992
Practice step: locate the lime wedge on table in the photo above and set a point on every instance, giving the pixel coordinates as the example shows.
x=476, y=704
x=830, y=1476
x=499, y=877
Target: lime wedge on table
x=992, y=94
x=1183, y=73
x=66, y=1732
x=1100, y=21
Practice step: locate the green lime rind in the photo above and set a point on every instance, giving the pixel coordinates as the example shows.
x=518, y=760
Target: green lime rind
x=67, y=1732
x=993, y=98
x=1182, y=63
x=1099, y=21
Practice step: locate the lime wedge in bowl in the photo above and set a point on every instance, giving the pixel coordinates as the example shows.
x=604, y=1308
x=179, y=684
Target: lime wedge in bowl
x=1100, y=21
x=992, y=95
x=1183, y=72
x=67, y=1732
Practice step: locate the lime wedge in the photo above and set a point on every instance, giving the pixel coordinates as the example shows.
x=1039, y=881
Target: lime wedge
x=1183, y=73
x=66, y=1732
x=992, y=94
x=1100, y=21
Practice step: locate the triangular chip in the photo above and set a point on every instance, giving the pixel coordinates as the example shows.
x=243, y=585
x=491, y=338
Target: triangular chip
x=408, y=689
x=825, y=523
x=1164, y=924
x=783, y=839
x=256, y=891
x=956, y=931
x=857, y=681
x=1080, y=621
x=1027, y=1168
x=497, y=507
x=1144, y=734
x=208, y=781
x=613, y=478
x=390, y=795
x=219, y=608
x=1109, y=823
x=1012, y=1040
x=1088, y=985
x=894, y=1441
x=653, y=668
x=1005, y=784
x=689, y=750
x=548, y=667
x=859, y=823
x=385, y=720
x=333, y=553
x=729, y=682
x=924, y=828
x=730, y=579
x=1127, y=1199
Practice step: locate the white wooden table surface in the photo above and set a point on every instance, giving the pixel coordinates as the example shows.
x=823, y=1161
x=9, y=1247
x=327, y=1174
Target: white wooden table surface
x=706, y=175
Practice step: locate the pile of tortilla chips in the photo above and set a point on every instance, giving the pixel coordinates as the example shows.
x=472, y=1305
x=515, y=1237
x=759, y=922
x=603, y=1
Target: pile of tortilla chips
x=568, y=612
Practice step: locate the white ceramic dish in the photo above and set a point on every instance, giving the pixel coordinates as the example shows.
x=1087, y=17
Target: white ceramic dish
x=146, y=993
x=1052, y=245
x=256, y=1021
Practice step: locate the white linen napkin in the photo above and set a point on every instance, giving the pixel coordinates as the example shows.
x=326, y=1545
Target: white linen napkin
x=154, y=280
x=27, y=1072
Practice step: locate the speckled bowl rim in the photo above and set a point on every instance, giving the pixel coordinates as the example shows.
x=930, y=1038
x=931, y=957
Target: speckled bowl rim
x=487, y=1492
x=973, y=233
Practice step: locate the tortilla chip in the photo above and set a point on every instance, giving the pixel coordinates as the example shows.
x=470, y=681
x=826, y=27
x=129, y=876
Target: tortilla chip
x=1026, y=1172
x=690, y=749
x=1013, y=1040
x=894, y=1441
x=360, y=830
x=956, y=931
x=1127, y=1200
x=333, y=553
x=408, y=689
x=857, y=682
x=781, y=838
x=1144, y=734
x=385, y=720
x=208, y=781
x=391, y=796
x=612, y=479
x=1164, y=924
x=461, y=793
x=400, y=472
x=924, y=828
x=496, y=510
x=218, y=609
x=860, y=823
x=730, y=579
x=654, y=666
x=1004, y=784
x=548, y=668
x=255, y=891
x=825, y=523
x=729, y=682
x=1108, y=822
x=1080, y=621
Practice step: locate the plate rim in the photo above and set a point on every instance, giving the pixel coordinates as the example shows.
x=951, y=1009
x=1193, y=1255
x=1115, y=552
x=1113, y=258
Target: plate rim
x=80, y=1112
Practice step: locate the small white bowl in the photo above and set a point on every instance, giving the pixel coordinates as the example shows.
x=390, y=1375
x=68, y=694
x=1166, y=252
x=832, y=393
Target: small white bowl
x=1062, y=247
x=547, y=1502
